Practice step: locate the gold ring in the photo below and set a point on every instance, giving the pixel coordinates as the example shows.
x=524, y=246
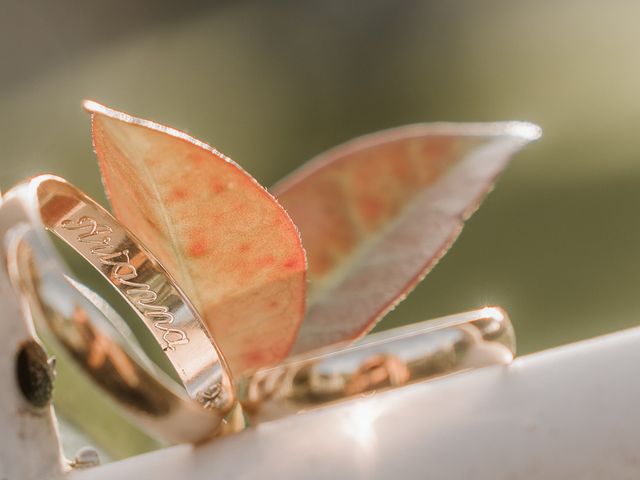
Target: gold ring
x=390, y=359
x=50, y=203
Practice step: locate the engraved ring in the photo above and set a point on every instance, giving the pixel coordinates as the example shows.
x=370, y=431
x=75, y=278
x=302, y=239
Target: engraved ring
x=89, y=328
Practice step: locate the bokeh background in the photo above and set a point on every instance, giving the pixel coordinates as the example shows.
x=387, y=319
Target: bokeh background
x=272, y=84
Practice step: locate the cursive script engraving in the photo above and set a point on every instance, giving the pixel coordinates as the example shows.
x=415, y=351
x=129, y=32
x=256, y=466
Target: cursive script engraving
x=124, y=272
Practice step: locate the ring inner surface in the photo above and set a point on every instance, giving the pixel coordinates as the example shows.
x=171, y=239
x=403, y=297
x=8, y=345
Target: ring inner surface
x=148, y=289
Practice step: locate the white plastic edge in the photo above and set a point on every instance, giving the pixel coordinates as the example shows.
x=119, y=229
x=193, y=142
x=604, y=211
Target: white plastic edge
x=566, y=413
x=29, y=444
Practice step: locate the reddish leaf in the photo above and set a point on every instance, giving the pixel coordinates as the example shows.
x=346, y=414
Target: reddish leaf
x=377, y=213
x=228, y=243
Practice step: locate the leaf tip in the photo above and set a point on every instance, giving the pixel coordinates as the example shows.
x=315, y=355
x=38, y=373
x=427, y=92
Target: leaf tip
x=98, y=110
x=525, y=130
x=93, y=107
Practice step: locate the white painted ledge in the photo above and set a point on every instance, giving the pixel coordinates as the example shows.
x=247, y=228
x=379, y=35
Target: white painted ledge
x=567, y=413
x=29, y=446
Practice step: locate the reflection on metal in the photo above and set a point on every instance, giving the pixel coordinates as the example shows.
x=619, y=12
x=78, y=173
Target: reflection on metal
x=82, y=334
x=385, y=360
x=93, y=334
x=84, y=327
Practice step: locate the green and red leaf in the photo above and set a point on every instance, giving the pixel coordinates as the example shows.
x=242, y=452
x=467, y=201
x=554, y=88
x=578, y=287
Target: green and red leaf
x=377, y=213
x=232, y=248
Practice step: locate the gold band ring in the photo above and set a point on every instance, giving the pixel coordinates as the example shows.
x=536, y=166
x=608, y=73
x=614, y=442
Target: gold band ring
x=389, y=359
x=51, y=203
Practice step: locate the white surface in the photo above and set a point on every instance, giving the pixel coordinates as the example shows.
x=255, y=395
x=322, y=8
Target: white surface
x=568, y=413
x=29, y=448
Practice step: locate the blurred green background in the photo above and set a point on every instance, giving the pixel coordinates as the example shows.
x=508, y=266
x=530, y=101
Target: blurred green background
x=272, y=84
